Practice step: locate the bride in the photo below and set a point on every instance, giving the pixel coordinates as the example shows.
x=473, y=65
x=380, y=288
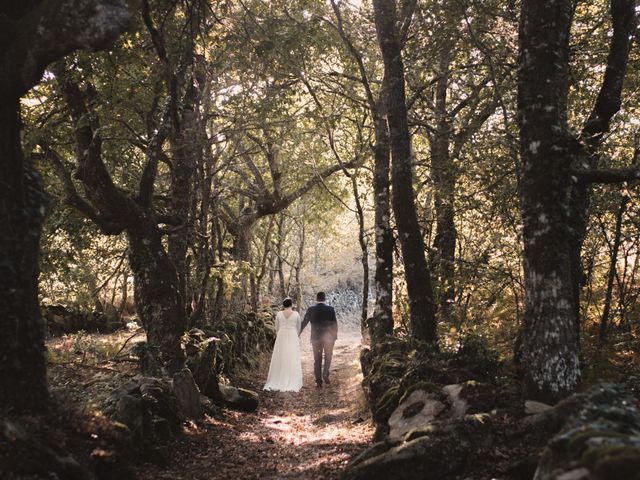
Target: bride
x=285, y=371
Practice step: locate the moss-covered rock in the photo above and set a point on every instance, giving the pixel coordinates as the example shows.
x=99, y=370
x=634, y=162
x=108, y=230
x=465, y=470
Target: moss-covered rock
x=239, y=398
x=415, y=411
x=441, y=450
x=601, y=439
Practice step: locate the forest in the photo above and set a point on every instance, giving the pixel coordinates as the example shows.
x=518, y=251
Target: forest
x=459, y=176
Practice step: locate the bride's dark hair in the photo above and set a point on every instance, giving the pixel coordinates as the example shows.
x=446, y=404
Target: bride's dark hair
x=287, y=302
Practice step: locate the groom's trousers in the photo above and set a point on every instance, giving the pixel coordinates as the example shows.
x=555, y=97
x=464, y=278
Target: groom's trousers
x=320, y=346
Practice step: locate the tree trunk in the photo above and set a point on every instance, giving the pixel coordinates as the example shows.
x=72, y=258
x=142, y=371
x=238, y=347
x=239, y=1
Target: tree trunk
x=157, y=295
x=550, y=349
x=23, y=383
x=444, y=180
x=34, y=35
x=604, y=319
x=364, y=249
x=297, y=290
x=417, y=274
x=242, y=232
x=554, y=201
x=382, y=321
x=186, y=153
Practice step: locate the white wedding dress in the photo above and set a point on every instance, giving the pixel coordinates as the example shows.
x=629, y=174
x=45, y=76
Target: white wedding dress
x=285, y=371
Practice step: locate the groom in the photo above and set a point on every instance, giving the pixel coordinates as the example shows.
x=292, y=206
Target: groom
x=324, y=332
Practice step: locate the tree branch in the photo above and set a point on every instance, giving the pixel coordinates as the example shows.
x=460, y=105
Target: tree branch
x=607, y=175
x=52, y=30
x=609, y=97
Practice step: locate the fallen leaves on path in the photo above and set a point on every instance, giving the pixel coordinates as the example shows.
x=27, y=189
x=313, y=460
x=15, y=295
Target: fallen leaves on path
x=311, y=434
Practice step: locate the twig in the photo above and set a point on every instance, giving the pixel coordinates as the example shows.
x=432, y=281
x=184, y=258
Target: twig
x=136, y=333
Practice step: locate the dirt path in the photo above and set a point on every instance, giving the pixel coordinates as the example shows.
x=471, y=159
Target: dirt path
x=306, y=435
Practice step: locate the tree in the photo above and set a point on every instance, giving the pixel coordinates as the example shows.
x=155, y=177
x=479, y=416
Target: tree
x=34, y=35
x=417, y=274
x=159, y=271
x=381, y=323
x=558, y=167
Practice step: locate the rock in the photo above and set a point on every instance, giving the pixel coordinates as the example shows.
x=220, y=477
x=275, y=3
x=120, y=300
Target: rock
x=148, y=359
x=577, y=474
x=416, y=411
x=600, y=441
x=326, y=419
x=148, y=408
x=201, y=358
x=441, y=450
x=61, y=320
x=459, y=405
x=531, y=407
x=480, y=397
x=24, y=452
x=187, y=394
x=130, y=410
x=239, y=398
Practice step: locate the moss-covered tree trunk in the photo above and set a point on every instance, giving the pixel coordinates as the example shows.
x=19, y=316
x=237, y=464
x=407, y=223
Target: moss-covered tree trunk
x=157, y=294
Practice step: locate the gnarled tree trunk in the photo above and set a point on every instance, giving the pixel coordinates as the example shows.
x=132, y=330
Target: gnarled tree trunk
x=34, y=34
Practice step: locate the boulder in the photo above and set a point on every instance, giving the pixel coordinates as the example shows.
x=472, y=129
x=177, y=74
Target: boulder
x=187, y=394
x=416, y=411
x=470, y=397
x=239, y=398
x=441, y=450
x=600, y=441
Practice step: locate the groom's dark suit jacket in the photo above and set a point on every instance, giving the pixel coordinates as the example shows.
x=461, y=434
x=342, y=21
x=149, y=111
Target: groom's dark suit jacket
x=324, y=324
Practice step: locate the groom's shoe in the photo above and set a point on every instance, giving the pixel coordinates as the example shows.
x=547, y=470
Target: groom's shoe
x=326, y=380
x=318, y=384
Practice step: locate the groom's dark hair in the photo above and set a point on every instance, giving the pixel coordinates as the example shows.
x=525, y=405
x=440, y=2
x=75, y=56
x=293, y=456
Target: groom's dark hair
x=321, y=297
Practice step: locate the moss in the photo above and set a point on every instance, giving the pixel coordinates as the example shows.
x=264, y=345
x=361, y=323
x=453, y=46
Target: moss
x=613, y=461
x=577, y=442
x=387, y=404
x=423, y=385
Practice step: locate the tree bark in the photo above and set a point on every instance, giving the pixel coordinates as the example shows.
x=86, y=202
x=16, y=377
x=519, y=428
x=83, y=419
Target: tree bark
x=364, y=249
x=417, y=274
x=157, y=294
